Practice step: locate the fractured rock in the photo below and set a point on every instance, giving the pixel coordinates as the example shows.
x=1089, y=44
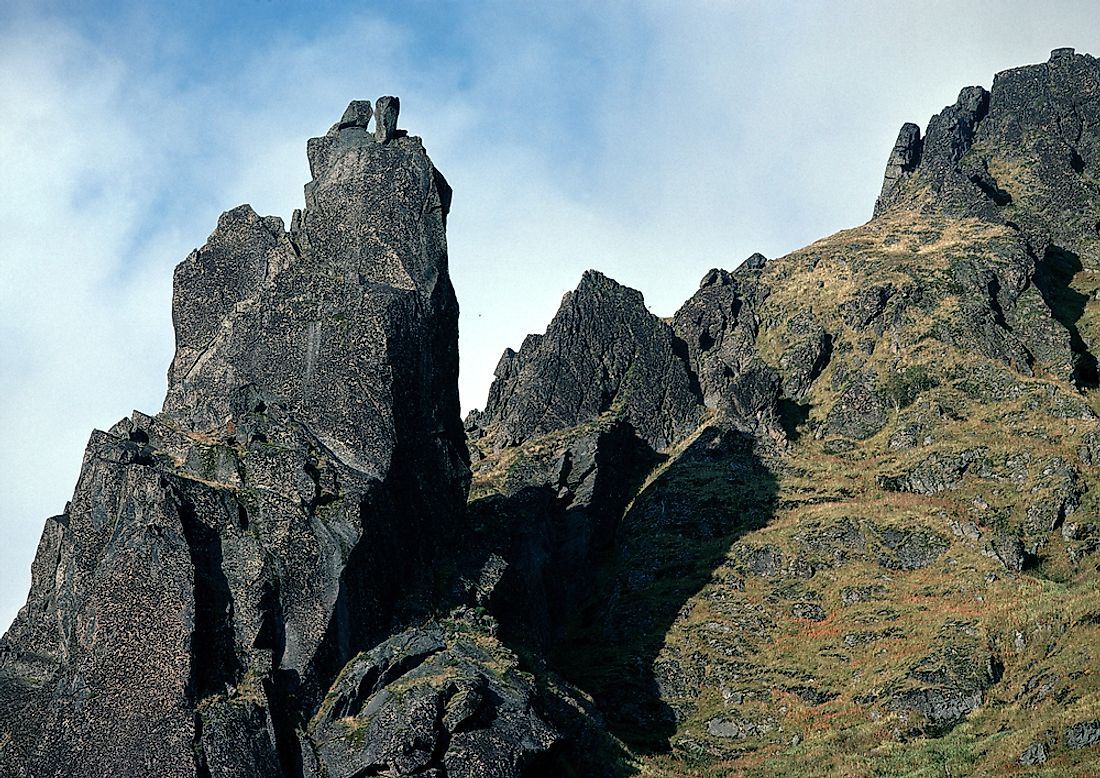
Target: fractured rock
x=358, y=114
x=603, y=352
x=219, y=552
x=385, y=121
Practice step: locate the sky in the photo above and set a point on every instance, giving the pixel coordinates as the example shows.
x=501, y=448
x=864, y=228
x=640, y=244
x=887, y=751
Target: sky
x=649, y=140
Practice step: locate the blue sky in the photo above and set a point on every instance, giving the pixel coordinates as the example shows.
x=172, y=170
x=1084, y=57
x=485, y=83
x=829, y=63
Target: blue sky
x=651, y=140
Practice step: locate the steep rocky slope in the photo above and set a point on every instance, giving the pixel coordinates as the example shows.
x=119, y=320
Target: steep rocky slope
x=835, y=517
x=876, y=554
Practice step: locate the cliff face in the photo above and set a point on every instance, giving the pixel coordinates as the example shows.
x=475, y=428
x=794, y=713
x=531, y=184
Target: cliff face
x=220, y=562
x=836, y=516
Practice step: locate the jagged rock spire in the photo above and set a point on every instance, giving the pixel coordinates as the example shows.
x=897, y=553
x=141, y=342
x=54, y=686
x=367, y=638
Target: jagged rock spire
x=904, y=158
x=221, y=562
x=973, y=153
x=603, y=351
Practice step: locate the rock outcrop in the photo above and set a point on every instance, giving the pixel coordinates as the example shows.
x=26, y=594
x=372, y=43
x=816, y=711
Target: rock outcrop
x=719, y=326
x=904, y=159
x=1023, y=153
x=549, y=521
x=603, y=352
x=220, y=563
x=433, y=700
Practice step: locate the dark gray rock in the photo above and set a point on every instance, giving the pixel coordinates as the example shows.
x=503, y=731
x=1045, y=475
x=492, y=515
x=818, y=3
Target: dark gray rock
x=802, y=363
x=120, y=566
x=718, y=327
x=867, y=306
x=738, y=728
x=809, y=611
x=358, y=114
x=1034, y=754
x=908, y=549
x=371, y=256
x=1089, y=451
x=850, y=595
x=892, y=547
x=858, y=413
x=238, y=739
x=755, y=262
x=749, y=400
x=1072, y=530
x=1039, y=118
x=939, y=472
x=603, y=353
x=1008, y=550
x=1040, y=687
x=219, y=563
x=385, y=118
x=904, y=158
x=1083, y=734
x=554, y=520
x=430, y=699
x=867, y=637
x=951, y=133
x=835, y=543
x=765, y=561
x=1044, y=116
x=1004, y=314
x=948, y=684
x=1059, y=497
x=940, y=708
x=811, y=695
x=934, y=161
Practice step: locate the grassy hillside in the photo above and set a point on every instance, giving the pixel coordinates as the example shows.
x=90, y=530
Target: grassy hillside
x=920, y=600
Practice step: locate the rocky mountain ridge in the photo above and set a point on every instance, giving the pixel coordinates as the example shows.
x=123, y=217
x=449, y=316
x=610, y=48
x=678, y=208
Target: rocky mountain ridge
x=835, y=517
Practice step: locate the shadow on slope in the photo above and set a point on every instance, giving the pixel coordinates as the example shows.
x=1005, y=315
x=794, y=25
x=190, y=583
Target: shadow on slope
x=1053, y=278
x=673, y=536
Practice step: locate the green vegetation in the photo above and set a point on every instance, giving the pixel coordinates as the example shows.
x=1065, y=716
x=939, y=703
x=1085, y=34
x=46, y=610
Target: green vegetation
x=766, y=613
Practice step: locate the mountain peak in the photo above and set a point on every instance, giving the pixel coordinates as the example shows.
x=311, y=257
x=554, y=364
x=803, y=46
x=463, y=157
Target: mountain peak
x=214, y=562
x=1019, y=154
x=603, y=352
x=827, y=501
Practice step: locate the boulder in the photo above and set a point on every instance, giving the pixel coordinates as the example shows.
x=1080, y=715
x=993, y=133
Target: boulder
x=385, y=118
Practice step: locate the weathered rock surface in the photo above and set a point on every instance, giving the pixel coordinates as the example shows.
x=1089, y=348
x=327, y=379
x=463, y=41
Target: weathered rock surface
x=903, y=160
x=551, y=521
x=603, y=352
x=847, y=489
x=806, y=358
x=859, y=412
x=937, y=473
x=430, y=701
x=1025, y=152
x=948, y=684
x=719, y=325
x=385, y=126
x=219, y=563
x=1083, y=734
x=1034, y=754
